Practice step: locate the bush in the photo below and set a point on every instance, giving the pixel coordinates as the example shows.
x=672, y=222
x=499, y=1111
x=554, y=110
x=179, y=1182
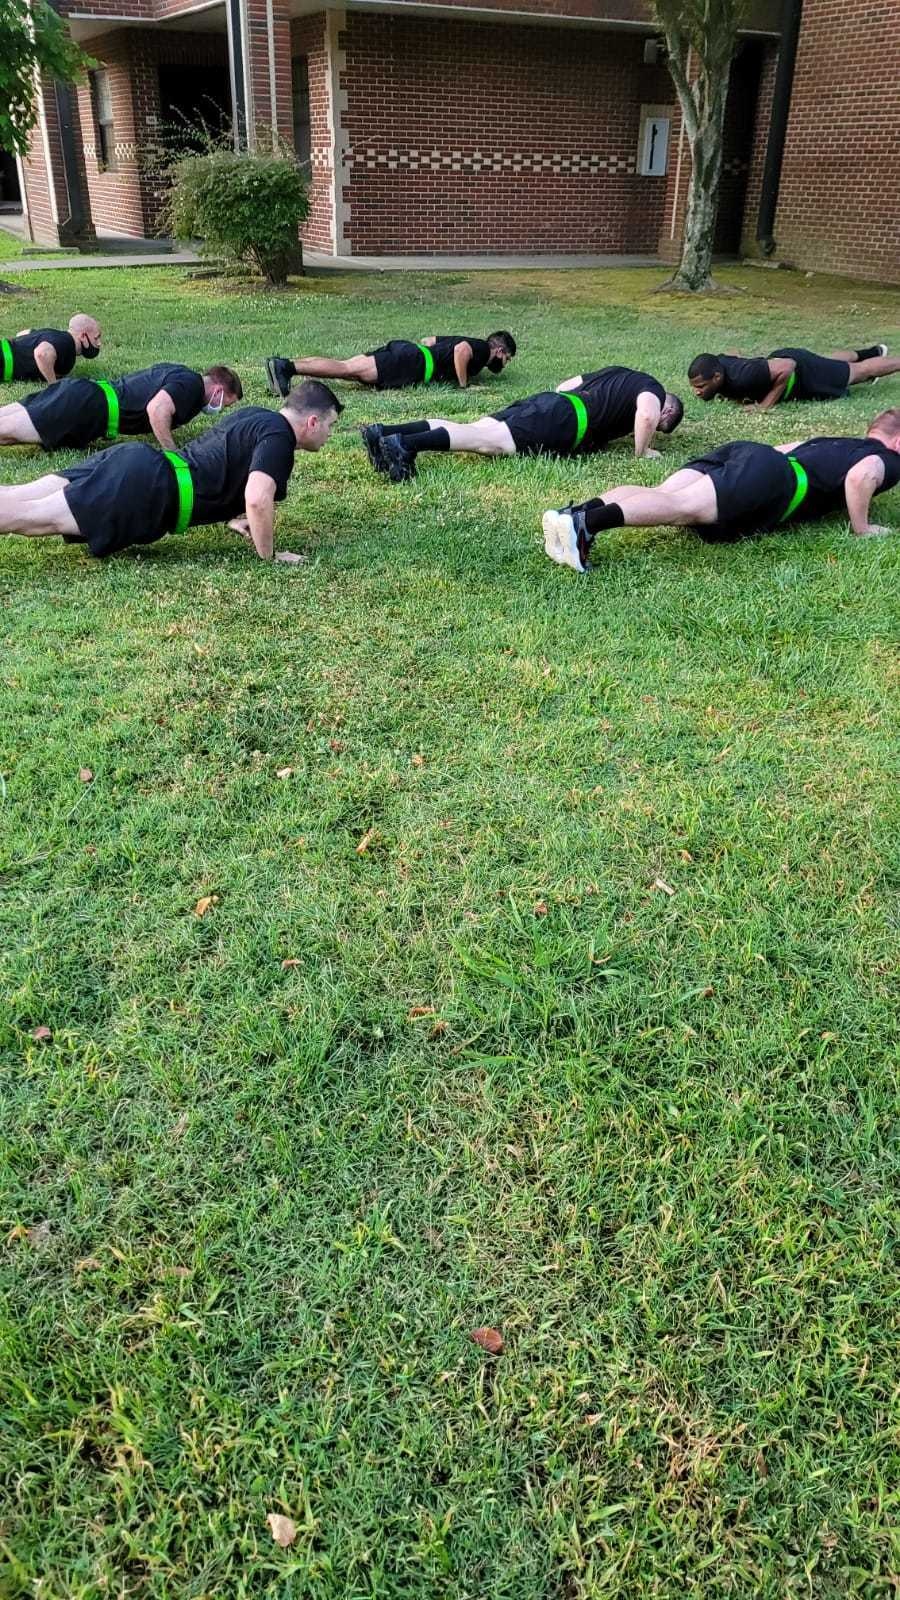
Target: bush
x=243, y=205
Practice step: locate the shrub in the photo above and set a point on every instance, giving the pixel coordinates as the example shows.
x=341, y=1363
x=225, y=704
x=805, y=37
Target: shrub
x=243, y=205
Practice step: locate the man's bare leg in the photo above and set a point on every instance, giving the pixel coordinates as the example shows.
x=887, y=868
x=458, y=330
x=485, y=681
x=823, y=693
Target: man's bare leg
x=685, y=499
x=38, y=509
x=16, y=426
x=875, y=367
x=359, y=369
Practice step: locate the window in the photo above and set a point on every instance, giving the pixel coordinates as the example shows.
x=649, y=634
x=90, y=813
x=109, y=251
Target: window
x=300, y=96
x=653, y=141
x=101, y=97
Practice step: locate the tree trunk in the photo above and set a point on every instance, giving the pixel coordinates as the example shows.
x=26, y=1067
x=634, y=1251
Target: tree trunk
x=695, y=268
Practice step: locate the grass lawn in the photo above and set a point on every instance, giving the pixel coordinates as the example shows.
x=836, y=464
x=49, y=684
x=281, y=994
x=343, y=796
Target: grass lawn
x=595, y=1042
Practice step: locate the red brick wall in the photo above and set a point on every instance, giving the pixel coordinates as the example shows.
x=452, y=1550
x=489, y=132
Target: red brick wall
x=467, y=136
x=838, y=208
x=115, y=194
x=308, y=39
x=757, y=157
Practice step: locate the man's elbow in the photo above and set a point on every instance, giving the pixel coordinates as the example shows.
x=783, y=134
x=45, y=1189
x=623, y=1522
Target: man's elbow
x=259, y=502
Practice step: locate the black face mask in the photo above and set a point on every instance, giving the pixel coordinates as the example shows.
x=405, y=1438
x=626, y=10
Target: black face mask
x=89, y=351
x=495, y=364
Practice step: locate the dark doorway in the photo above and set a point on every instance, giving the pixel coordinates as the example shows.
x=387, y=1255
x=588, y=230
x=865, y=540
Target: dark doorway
x=193, y=96
x=737, y=145
x=10, y=194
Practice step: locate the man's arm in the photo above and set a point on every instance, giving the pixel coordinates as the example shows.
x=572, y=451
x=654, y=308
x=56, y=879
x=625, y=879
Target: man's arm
x=259, y=502
x=462, y=355
x=780, y=370
x=787, y=448
x=45, y=360
x=432, y=339
x=860, y=484
x=570, y=383
x=160, y=411
x=646, y=421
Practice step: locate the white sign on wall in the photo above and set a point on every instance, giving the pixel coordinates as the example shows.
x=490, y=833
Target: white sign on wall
x=653, y=141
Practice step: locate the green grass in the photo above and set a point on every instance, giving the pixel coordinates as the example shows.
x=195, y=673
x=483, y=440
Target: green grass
x=650, y=1137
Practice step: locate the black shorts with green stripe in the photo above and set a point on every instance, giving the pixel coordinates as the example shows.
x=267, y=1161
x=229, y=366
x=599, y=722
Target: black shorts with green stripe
x=68, y=415
x=544, y=424
x=399, y=364
x=754, y=484
x=120, y=497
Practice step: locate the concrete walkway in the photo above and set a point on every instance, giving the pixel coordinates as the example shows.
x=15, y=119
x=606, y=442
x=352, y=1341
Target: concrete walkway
x=317, y=262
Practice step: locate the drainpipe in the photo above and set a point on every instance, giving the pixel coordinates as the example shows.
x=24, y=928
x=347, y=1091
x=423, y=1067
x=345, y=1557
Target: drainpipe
x=781, y=106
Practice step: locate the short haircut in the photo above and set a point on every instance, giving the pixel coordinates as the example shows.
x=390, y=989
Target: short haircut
x=886, y=421
x=313, y=396
x=673, y=406
x=705, y=366
x=83, y=322
x=506, y=339
x=227, y=379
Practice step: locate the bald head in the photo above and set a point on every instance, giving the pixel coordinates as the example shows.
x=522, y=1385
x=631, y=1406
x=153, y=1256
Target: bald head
x=886, y=427
x=86, y=332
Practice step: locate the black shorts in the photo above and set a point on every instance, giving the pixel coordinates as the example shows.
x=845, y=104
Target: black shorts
x=754, y=486
x=817, y=377
x=123, y=496
x=399, y=364
x=69, y=415
x=545, y=424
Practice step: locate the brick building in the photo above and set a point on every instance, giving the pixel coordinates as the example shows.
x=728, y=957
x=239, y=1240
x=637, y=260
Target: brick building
x=432, y=126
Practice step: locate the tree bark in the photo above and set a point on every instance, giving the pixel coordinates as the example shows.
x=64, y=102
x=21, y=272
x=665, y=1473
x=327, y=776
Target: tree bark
x=695, y=268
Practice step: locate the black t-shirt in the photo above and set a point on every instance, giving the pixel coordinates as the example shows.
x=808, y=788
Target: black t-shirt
x=254, y=439
x=24, y=365
x=137, y=390
x=611, y=396
x=744, y=378
x=442, y=351
x=827, y=462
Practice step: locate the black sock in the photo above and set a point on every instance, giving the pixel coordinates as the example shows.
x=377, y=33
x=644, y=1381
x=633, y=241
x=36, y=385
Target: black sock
x=434, y=439
x=598, y=516
x=404, y=429
x=867, y=354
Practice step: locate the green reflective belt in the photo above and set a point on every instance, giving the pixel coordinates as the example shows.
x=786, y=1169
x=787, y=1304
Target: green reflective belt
x=788, y=388
x=185, y=489
x=6, y=361
x=112, y=408
x=429, y=362
x=581, y=413
x=801, y=490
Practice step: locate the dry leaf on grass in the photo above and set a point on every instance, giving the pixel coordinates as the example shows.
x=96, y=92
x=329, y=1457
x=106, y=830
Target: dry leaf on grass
x=284, y=772
x=42, y=1034
x=488, y=1339
x=541, y=908
x=39, y=1235
x=283, y=1530
x=419, y=1011
x=365, y=841
x=336, y=745
x=660, y=883
x=88, y=1264
x=418, y=761
x=17, y=1233
x=440, y=1027
x=85, y=775
x=204, y=903
x=290, y=961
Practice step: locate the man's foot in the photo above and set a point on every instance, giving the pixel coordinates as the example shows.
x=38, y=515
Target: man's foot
x=871, y=351
x=566, y=538
x=372, y=437
x=399, y=461
x=279, y=373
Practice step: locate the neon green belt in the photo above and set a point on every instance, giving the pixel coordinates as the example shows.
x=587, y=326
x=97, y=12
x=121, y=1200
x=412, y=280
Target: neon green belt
x=185, y=489
x=6, y=361
x=581, y=425
x=429, y=362
x=801, y=489
x=112, y=408
x=789, y=386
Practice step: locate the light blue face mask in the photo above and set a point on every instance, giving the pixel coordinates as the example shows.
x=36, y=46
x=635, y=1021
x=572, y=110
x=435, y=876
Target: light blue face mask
x=211, y=410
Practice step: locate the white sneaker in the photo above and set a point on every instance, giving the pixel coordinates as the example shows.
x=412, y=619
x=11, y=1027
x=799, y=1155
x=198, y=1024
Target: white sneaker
x=561, y=540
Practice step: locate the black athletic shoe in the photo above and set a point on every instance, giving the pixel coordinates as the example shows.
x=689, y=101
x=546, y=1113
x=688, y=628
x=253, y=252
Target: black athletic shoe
x=871, y=351
x=280, y=374
x=372, y=438
x=399, y=461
